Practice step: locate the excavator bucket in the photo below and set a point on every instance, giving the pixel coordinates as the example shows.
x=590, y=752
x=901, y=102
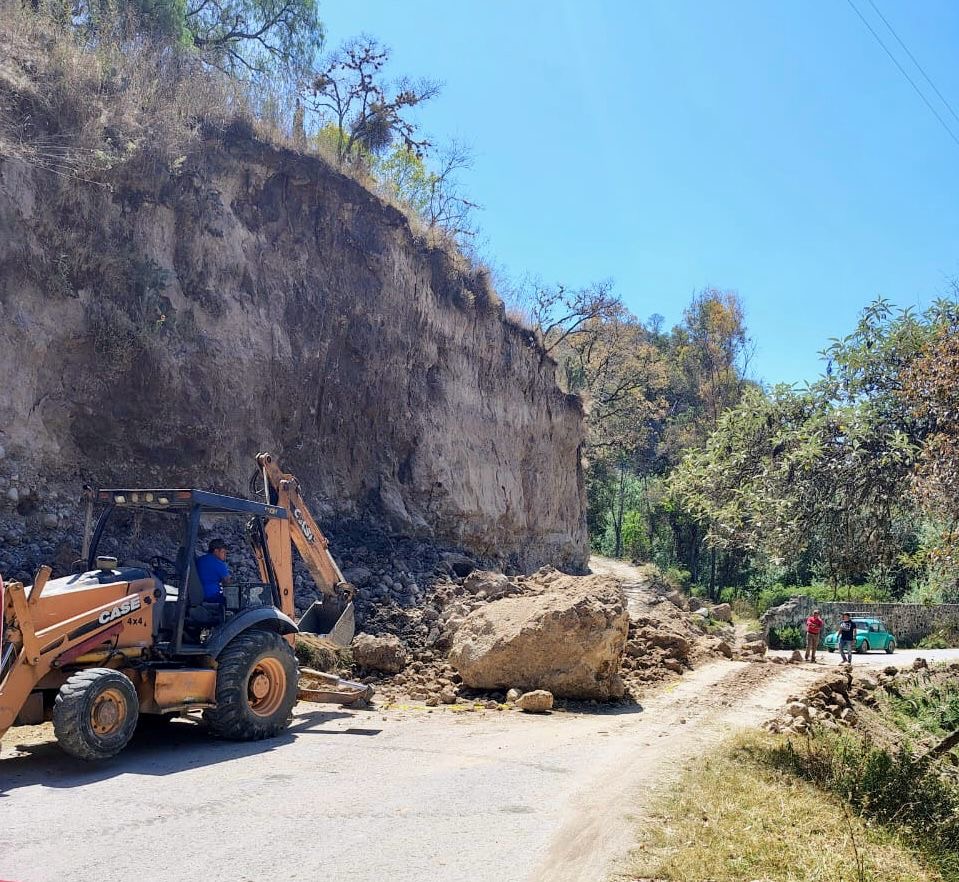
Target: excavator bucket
x=331, y=621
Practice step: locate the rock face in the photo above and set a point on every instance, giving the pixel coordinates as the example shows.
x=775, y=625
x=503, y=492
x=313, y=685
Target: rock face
x=569, y=639
x=386, y=654
x=165, y=326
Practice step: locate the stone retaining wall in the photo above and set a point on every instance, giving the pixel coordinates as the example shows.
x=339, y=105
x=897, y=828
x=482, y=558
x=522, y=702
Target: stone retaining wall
x=909, y=622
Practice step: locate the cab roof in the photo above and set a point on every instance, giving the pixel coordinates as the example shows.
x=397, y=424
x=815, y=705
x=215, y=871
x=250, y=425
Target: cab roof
x=183, y=499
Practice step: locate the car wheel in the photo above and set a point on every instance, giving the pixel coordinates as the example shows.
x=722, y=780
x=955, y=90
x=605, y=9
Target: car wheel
x=891, y=647
x=832, y=648
x=863, y=647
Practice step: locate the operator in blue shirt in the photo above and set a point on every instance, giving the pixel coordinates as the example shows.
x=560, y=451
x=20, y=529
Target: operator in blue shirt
x=213, y=571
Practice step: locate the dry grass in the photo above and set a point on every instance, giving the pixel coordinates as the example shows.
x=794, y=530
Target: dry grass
x=731, y=820
x=112, y=113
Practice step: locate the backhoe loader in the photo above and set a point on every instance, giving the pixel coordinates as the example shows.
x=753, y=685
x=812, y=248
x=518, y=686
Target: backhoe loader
x=102, y=649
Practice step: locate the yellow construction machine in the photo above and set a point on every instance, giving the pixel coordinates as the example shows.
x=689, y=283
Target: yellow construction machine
x=119, y=643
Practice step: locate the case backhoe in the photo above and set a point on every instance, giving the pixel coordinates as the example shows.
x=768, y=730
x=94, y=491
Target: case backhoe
x=99, y=650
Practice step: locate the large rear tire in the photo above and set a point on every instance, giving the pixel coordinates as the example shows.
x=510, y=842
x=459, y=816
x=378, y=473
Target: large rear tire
x=890, y=647
x=95, y=713
x=863, y=647
x=256, y=685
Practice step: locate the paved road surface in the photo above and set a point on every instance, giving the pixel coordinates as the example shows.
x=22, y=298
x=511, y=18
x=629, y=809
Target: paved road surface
x=901, y=658
x=354, y=795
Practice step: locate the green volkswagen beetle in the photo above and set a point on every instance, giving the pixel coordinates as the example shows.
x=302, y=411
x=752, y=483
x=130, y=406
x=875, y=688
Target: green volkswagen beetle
x=870, y=634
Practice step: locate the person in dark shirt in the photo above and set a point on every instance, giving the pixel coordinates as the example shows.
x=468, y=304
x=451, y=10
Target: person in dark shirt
x=847, y=638
x=213, y=571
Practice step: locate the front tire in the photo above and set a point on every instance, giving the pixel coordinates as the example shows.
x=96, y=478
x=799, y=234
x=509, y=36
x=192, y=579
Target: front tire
x=95, y=713
x=256, y=685
x=863, y=647
x=890, y=647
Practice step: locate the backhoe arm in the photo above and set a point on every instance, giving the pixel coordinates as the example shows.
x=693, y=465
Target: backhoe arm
x=284, y=491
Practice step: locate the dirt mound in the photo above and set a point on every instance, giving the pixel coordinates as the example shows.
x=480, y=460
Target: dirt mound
x=564, y=633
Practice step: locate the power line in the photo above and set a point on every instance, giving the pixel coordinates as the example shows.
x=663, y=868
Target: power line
x=902, y=70
x=912, y=57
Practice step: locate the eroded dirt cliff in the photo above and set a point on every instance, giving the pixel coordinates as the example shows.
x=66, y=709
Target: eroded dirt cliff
x=164, y=320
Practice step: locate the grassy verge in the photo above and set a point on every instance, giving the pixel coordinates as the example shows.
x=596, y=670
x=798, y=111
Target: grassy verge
x=736, y=817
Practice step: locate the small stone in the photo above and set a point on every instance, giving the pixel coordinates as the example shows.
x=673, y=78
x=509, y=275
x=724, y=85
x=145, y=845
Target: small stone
x=513, y=695
x=448, y=696
x=673, y=665
x=491, y=705
x=797, y=709
x=432, y=701
x=13, y=494
x=539, y=701
x=50, y=522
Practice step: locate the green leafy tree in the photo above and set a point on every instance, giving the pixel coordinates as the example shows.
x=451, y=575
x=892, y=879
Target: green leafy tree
x=433, y=193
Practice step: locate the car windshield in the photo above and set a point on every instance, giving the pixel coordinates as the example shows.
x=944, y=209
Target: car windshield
x=861, y=626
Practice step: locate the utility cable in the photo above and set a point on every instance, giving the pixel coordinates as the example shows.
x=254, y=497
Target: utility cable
x=912, y=58
x=902, y=70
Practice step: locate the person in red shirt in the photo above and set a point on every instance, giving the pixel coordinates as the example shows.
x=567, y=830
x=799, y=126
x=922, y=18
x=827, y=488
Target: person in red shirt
x=814, y=626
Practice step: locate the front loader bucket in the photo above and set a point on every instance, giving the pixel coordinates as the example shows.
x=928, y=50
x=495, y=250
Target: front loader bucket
x=331, y=621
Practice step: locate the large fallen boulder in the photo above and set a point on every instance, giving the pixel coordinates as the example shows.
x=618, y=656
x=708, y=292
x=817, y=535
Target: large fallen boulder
x=568, y=639
x=386, y=654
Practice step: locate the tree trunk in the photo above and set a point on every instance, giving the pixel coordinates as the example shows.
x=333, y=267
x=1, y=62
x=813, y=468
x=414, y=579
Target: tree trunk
x=619, y=511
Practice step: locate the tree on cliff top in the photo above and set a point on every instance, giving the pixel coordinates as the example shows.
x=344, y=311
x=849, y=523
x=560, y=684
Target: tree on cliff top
x=238, y=36
x=366, y=113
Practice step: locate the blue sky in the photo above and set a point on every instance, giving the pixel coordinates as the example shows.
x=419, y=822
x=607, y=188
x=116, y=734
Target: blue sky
x=767, y=147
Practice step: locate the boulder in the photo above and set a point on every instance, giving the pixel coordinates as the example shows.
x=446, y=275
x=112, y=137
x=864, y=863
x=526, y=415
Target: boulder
x=386, y=654
x=723, y=648
x=539, y=701
x=675, y=644
x=569, y=639
x=358, y=576
x=677, y=598
x=723, y=612
x=492, y=585
x=460, y=564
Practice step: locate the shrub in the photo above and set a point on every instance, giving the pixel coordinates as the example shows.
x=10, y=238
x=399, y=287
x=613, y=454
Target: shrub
x=786, y=637
x=677, y=579
x=907, y=793
x=944, y=637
